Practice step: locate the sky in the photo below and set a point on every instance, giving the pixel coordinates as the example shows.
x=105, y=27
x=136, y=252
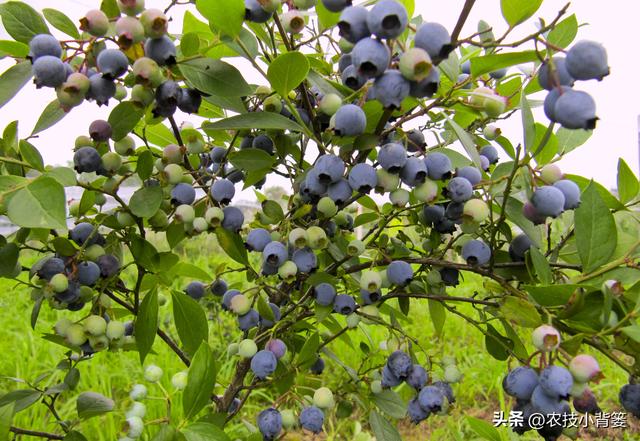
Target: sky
x=616, y=96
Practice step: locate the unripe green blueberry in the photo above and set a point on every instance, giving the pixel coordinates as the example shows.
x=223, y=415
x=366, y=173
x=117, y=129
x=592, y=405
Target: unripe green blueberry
x=387, y=182
x=486, y=32
x=298, y=237
x=95, y=22
x=480, y=95
x=330, y=104
x=110, y=185
x=121, y=93
x=371, y=281
x=95, y=325
x=613, y=319
x=86, y=293
x=142, y=95
x=173, y=173
x=491, y=132
x=288, y=271
x=399, y=197
x=341, y=219
x=98, y=342
x=270, y=5
x=415, y=64
x=172, y=154
x=125, y=147
x=345, y=45
x=288, y=418
x=134, y=426
x=138, y=392
x=111, y=161
x=62, y=326
x=353, y=320
x=152, y=373
x=427, y=191
x=323, y=398
x=495, y=105
x=317, y=238
x=125, y=219
x=476, y=209
x=240, y=304
x=59, y=283
x=546, y=338
x=273, y=103
x=355, y=248
x=326, y=207
x=129, y=31
x=372, y=312
x=376, y=387
x=293, y=21
x=452, y=374
x=247, y=348
x=115, y=330
x=551, y=173
x=159, y=220
x=200, y=224
x=179, y=380
x=263, y=90
x=104, y=301
x=83, y=141
x=74, y=208
x=578, y=388
x=232, y=349
x=185, y=213
x=75, y=335
x=154, y=22
x=214, y=216
x=131, y=7
x=100, y=199
x=137, y=409
x=434, y=277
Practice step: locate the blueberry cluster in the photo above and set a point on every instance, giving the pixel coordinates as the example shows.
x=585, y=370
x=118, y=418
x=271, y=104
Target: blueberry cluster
x=547, y=391
x=553, y=197
x=573, y=109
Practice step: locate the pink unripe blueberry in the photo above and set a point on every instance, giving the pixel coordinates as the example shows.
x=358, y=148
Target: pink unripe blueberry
x=546, y=338
x=95, y=22
x=584, y=368
x=154, y=22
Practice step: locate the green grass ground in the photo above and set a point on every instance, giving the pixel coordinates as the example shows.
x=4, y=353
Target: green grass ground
x=25, y=355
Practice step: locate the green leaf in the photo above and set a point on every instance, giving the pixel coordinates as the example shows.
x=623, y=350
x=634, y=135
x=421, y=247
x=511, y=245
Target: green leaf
x=564, y=32
x=496, y=344
x=191, y=322
x=87, y=201
x=166, y=433
x=252, y=159
x=326, y=18
x=159, y=135
x=632, y=332
x=21, y=21
x=541, y=266
x=124, y=118
x=200, y=381
x=273, y=210
x=144, y=164
x=13, y=48
x=528, y=124
x=514, y=213
x=383, y=429
x=49, y=117
x=225, y=16
x=74, y=436
x=64, y=175
x=307, y=355
x=204, y=432
x=551, y=295
x=520, y=311
x=146, y=324
x=490, y=63
x=146, y=201
x=287, y=71
x=438, y=315
x=41, y=204
x=483, y=429
x=467, y=142
x=610, y=200
x=110, y=7
x=185, y=269
x=628, y=185
x=215, y=77
x=264, y=309
x=390, y=403
x=233, y=245
x=90, y=404
x=569, y=140
x=13, y=79
x=596, y=233
x=21, y=399
x=8, y=259
x=61, y=22
x=255, y=120
x=6, y=417
x=31, y=155
x=517, y=11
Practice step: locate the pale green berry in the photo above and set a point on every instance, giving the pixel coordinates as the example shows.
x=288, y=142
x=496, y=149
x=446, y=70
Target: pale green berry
x=298, y=237
x=371, y=281
x=546, y=338
x=387, y=182
x=288, y=271
x=415, y=64
x=138, y=392
x=355, y=247
x=152, y=373
x=317, y=238
x=240, y=304
x=134, y=427
x=59, y=283
x=427, y=191
x=232, y=349
x=399, y=197
x=247, y=348
x=288, y=418
x=95, y=325
x=115, y=330
x=353, y=320
x=323, y=398
x=62, y=326
x=200, y=224
x=185, y=213
x=491, y=132
x=327, y=207
x=476, y=209
x=125, y=219
x=214, y=216
x=99, y=342
x=452, y=374
x=75, y=335
x=179, y=380
x=376, y=386
x=137, y=409
x=330, y=103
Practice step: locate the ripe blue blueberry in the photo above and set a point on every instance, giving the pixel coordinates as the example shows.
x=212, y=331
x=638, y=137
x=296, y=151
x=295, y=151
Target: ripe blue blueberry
x=630, y=398
x=233, y=219
x=100, y=130
x=391, y=88
x=353, y=24
x=544, y=403
x=344, y=62
x=330, y=168
x=519, y=246
x=400, y=364
x=586, y=403
x=277, y=346
x=587, y=60
x=399, y=273
x=317, y=367
x=459, y=189
x=392, y=157
x=454, y=211
x=83, y=232
x=305, y=259
x=263, y=142
x=556, y=381
x=450, y=276
x=520, y=383
x=550, y=101
x=491, y=153
x=49, y=71
x=109, y=265
x=415, y=140
x=571, y=193
x=313, y=185
x=183, y=194
x=263, y=364
x=255, y=12
x=388, y=377
x=258, y=239
x=249, y=320
x=351, y=78
x=363, y=178
x=275, y=253
x=431, y=399
x=189, y=100
x=550, y=78
x=350, y=120
x=476, y=252
x=548, y=201
x=387, y=19
x=344, y=304
x=268, y=323
x=370, y=57
x=438, y=166
x=218, y=287
x=414, y=172
x=446, y=389
x=324, y=293
x=88, y=273
x=416, y=413
x=43, y=45
x=470, y=173
x=418, y=377
x=427, y=87
x=369, y=298
x=340, y=191
x=222, y=191
x=575, y=110
x=101, y=89
x=435, y=39
x=433, y=213
x=50, y=268
x=112, y=63
x=312, y=419
x=87, y=160
x=336, y=5
x=195, y=290
x=270, y=424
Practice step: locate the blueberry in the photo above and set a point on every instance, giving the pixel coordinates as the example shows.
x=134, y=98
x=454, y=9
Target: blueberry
x=71, y=295
x=305, y=259
x=168, y=93
x=226, y=298
x=353, y=24
x=415, y=140
x=112, y=63
x=49, y=71
x=416, y=412
x=587, y=60
x=270, y=424
x=249, y=320
x=344, y=304
x=222, y=191
x=313, y=184
x=550, y=102
x=450, y=276
x=575, y=110
x=258, y=239
x=344, y=62
x=550, y=78
x=544, y=403
x=531, y=213
x=388, y=19
x=317, y=367
x=350, y=120
x=388, y=377
x=459, y=190
x=336, y=5
x=392, y=157
x=50, y=268
x=44, y=45
x=400, y=364
x=438, y=166
x=254, y=12
x=431, y=399
x=275, y=253
x=391, y=88
x=414, y=172
x=556, y=381
x=218, y=287
x=83, y=232
x=418, y=377
x=109, y=265
x=263, y=364
x=399, y=273
x=267, y=323
x=129, y=31
x=277, y=346
x=324, y=293
x=471, y=174
x=101, y=89
x=88, y=273
x=195, y=290
x=263, y=142
x=87, y=160
x=234, y=175
x=484, y=163
x=233, y=219
x=519, y=246
x=161, y=50
x=454, y=211
x=363, y=178
x=491, y=153
x=586, y=403
x=520, y=383
x=630, y=398
x=330, y=168
x=548, y=201
x=183, y=194
x=444, y=226
x=340, y=191
x=462, y=78
x=446, y=389
x=100, y=130
x=217, y=154
x=370, y=57
x=427, y=87
x=369, y=298
x=498, y=74
x=466, y=67
x=189, y=101
x=312, y=418
x=435, y=39
x=476, y=252
x=433, y=213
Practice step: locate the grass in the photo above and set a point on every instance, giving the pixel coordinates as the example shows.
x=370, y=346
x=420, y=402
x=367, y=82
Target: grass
x=27, y=356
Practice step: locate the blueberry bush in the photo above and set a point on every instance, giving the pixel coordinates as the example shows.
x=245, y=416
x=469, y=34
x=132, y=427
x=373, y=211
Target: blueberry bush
x=386, y=129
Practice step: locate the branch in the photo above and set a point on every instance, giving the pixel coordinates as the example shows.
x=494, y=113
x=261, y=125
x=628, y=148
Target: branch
x=35, y=433
x=464, y=15
x=439, y=298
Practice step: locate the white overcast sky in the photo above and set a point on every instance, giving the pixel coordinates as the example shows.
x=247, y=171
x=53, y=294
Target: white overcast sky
x=617, y=97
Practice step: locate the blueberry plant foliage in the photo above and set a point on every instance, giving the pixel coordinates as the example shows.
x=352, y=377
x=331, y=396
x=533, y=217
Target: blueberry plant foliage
x=387, y=128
